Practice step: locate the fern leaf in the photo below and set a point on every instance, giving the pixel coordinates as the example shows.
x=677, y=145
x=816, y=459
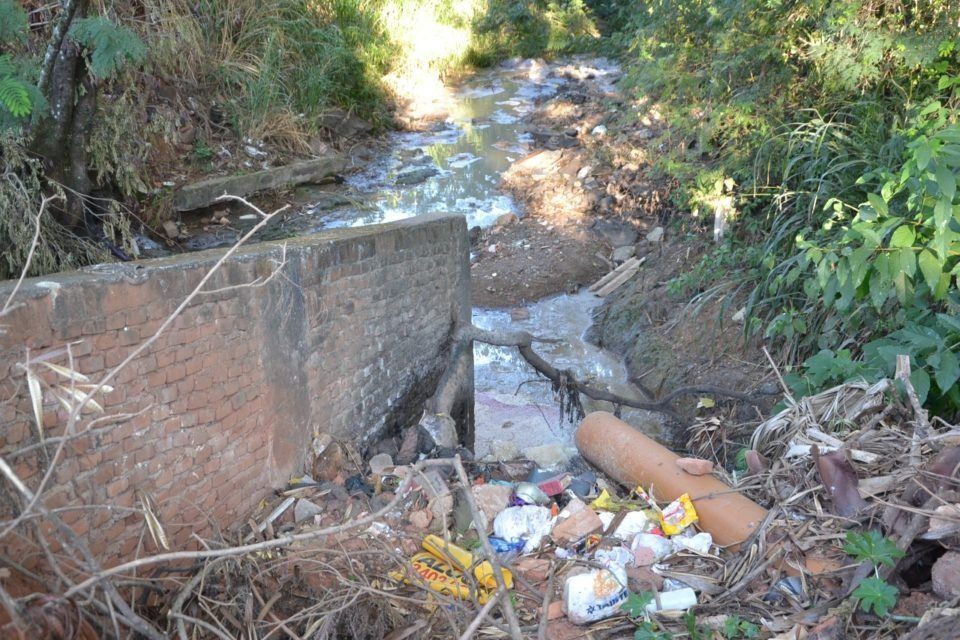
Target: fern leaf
x=14, y=97
x=13, y=21
x=112, y=46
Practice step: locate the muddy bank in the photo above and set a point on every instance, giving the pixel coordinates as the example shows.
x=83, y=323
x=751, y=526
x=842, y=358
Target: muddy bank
x=592, y=199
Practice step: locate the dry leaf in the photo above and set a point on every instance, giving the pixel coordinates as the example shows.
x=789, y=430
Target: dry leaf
x=36, y=397
x=70, y=374
x=153, y=523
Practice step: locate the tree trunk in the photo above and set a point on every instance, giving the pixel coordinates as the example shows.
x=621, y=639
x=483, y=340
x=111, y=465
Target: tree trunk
x=60, y=139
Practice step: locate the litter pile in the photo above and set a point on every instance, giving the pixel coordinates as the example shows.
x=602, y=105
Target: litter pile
x=842, y=521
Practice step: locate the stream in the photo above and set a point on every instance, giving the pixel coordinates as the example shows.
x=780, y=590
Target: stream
x=456, y=167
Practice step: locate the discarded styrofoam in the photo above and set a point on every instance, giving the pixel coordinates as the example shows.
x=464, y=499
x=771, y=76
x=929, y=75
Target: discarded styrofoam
x=595, y=595
x=633, y=522
x=699, y=543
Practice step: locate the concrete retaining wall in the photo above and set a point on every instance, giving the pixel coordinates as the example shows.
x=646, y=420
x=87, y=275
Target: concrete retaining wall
x=348, y=338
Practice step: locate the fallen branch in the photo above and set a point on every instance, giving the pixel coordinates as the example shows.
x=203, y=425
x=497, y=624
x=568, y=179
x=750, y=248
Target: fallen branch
x=566, y=379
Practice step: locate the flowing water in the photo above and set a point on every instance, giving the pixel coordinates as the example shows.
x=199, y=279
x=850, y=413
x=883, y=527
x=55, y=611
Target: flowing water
x=456, y=167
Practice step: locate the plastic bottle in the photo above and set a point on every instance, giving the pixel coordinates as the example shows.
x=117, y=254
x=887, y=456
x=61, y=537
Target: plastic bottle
x=677, y=600
x=596, y=595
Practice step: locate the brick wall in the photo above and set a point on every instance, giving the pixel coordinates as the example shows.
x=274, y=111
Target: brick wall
x=349, y=339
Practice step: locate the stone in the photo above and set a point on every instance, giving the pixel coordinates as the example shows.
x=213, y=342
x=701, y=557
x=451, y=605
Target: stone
x=641, y=579
x=491, y=499
x=946, y=575
x=599, y=131
x=695, y=466
x=622, y=254
x=519, y=314
x=505, y=450
x=550, y=456
x=506, y=219
x=305, y=510
x=441, y=428
x=330, y=462
x=421, y=519
x=740, y=316
x=205, y=192
x=555, y=610
x=534, y=570
x=655, y=236
x=617, y=233
x=171, y=230
x=574, y=523
x=415, y=175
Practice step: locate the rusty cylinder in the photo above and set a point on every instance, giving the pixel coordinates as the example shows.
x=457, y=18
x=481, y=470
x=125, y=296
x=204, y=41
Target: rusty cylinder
x=632, y=458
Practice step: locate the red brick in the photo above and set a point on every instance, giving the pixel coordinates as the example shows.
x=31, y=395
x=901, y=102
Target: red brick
x=176, y=372
x=165, y=358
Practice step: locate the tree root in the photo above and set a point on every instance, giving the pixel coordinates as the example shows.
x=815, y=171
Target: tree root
x=564, y=381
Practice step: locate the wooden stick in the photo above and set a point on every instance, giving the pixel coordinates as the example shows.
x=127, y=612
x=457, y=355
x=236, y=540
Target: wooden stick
x=506, y=605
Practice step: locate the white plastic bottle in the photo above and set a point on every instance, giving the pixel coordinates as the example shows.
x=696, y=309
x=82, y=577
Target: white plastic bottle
x=596, y=595
x=677, y=600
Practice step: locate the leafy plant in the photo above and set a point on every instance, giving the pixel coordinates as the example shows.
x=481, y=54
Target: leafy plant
x=112, y=45
x=873, y=594
x=734, y=627
x=871, y=547
x=636, y=604
x=650, y=631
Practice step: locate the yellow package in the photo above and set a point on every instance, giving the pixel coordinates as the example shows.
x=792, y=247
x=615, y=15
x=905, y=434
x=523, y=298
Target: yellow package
x=678, y=515
x=439, y=576
x=462, y=560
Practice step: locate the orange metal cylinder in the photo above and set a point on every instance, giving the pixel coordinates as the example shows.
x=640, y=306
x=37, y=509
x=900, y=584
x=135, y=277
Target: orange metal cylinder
x=630, y=457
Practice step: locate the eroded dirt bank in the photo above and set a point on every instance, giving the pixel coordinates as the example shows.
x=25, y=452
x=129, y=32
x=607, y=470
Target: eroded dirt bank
x=591, y=200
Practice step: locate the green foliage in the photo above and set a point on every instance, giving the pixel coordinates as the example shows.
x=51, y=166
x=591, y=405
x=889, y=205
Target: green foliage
x=734, y=627
x=876, y=595
x=201, y=150
x=837, y=122
x=870, y=546
x=13, y=21
x=650, y=631
x=531, y=28
x=635, y=605
x=112, y=46
x=16, y=94
x=873, y=593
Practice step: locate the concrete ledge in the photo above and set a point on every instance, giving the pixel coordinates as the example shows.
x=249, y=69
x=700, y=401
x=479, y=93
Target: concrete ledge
x=204, y=193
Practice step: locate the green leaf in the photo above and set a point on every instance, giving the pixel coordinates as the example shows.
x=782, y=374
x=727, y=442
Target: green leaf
x=879, y=204
x=908, y=262
x=648, y=631
x=923, y=155
x=876, y=595
x=947, y=181
x=930, y=267
x=904, y=236
x=870, y=546
x=948, y=372
x=920, y=380
x=113, y=46
x=15, y=97
x=635, y=605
